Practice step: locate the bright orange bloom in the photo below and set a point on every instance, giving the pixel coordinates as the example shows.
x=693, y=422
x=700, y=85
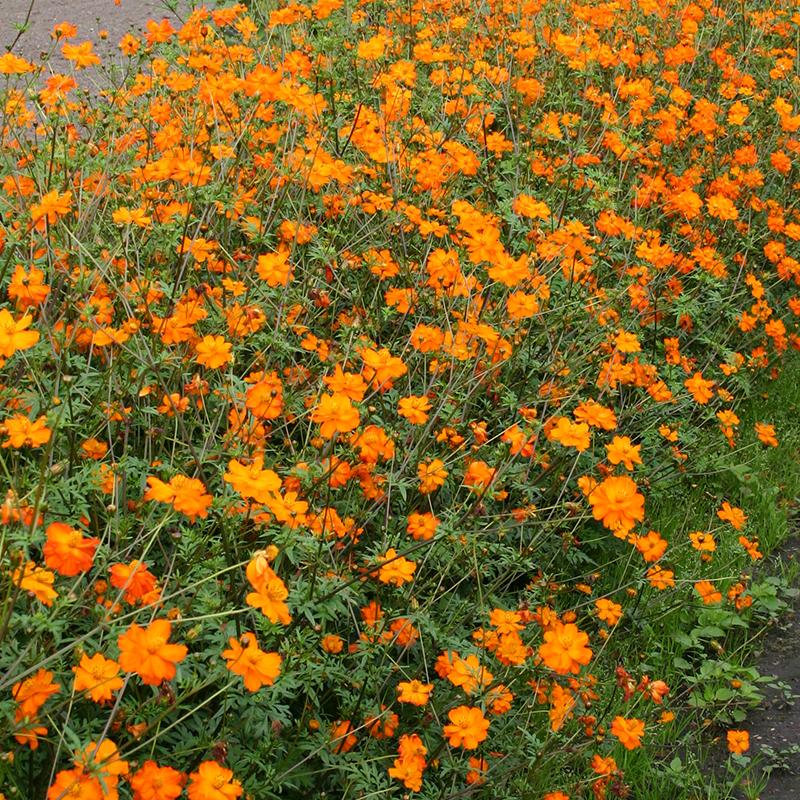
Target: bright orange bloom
x=738, y=742
x=398, y=570
x=187, y=495
x=67, y=551
x=270, y=591
x=342, y=737
x=623, y=451
x=52, y=206
x=651, y=546
x=37, y=580
x=596, y=416
x=134, y=579
x=431, y=475
x=415, y=409
x=628, y=731
x=98, y=676
x=708, y=592
x=151, y=782
x=608, y=611
x=31, y=694
x=253, y=664
x=102, y=760
x=213, y=352
x=468, y=727
x=335, y=414
x=82, y=55
x=75, y=784
x=22, y=432
x=733, y=515
x=147, y=652
x=14, y=334
x=766, y=434
x=565, y=649
x=616, y=503
x=213, y=782
x=699, y=388
x=414, y=692
x=571, y=434
x=661, y=578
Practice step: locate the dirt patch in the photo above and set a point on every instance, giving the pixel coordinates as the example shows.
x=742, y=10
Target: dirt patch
x=775, y=726
x=89, y=16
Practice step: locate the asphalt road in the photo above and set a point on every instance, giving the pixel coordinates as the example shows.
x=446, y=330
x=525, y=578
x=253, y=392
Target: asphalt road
x=89, y=16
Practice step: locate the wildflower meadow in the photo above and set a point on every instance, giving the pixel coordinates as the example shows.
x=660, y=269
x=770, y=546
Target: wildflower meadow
x=397, y=399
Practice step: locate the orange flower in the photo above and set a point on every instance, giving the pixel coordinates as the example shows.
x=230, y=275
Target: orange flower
x=342, y=737
x=738, y=742
x=134, y=579
x=82, y=55
x=398, y=570
x=213, y=782
x=67, y=551
x=14, y=334
x=37, y=580
x=708, y=592
x=565, y=649
x=628, y=731
x=151, y=782
x=22, y=432
x=651, y=546
x=733, y=515
x=102, y=760
x=270, y=591
x=274, y=268
x=596, y=416
x=431, y=475
x=98, y=676
x=213, y=352
x=335, y=414
x=661, y=578
x=332, y=644
x=608, y=611
x=187, y=495
x=75, y=784
x=32, y=693
x=617, y=503
x=415, y=409
x=468, y=727
x=52, y=206
x=571, y=434
x=414, y=692
x=146, y=652
x=623, y=451
x=699, y=388
x=766, y=434
x=253, y=664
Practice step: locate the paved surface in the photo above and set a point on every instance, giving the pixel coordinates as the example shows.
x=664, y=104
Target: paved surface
x=89, y=16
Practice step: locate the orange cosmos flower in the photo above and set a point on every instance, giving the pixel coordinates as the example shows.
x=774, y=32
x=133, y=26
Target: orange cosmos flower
x=67, y=551
x=398, y=570
x=738, y=742
x=733, y=515
x=608, y=611
x=146, y=652
x=431, y=475
x=699, y=388
x=628, y=731
x=98, y=676
x=623, y=451
x=274, y=268
x=187, y=495
x=415, y=409
x=213, y=782
x=213, y=352
x=332, y=644
x=14, y=334
x=570, y=434
x=134, y=579
x=556, y=796
x=253, y=664
x=22, y=432
x=565, y=649
x=151, y=782
x=52, y=206
x=335, y=414
x=104, y=763
x=414, y=692
x=270, y=591
x=617, y=503
x=651, y=546
x=82, y=55
x=75, y=784
x=595, y=415
x=708, y=592
x=37, y=580
x=661, y=578
x=32, y=693
x=468, y=727
x=342, y=737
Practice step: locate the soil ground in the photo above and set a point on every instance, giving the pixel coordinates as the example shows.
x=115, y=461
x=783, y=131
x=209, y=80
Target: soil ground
x=775, y=726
